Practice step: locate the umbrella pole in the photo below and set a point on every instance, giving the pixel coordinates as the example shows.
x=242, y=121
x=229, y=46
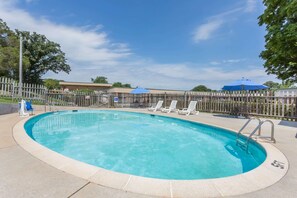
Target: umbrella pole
x=242, y=102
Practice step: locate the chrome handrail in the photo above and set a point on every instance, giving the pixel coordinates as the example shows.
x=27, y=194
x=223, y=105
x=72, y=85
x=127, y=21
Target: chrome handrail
x=272, y=130
x=244, y=126
x=258, y=128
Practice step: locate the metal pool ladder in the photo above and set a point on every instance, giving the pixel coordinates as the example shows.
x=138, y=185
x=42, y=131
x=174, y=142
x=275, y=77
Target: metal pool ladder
x=244, y=143
x=51, y=106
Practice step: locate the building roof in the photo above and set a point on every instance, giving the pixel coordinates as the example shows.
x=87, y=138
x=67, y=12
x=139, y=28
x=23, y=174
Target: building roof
x=85, y=84
x=152, y=91
x=119, y=89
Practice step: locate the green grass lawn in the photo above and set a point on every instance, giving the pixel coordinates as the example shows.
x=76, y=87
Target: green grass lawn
x=7, y=100
x=15, y=101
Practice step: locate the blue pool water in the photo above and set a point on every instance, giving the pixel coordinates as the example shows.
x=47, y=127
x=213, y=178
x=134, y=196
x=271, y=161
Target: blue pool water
x=144, y=145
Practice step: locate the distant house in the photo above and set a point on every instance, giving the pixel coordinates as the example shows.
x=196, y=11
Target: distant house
x=143, y=100
x=71, y=86
x=286, y=92
x=119, y=90
x=82, y=85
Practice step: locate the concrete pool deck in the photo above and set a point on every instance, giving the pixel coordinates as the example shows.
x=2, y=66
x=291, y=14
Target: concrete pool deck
x=23, y=175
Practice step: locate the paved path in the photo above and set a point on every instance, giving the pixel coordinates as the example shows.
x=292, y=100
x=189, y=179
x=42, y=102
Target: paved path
x=23, y=175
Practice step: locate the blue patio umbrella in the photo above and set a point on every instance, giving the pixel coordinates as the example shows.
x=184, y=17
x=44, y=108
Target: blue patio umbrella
x=243, y=85
x=139, y=90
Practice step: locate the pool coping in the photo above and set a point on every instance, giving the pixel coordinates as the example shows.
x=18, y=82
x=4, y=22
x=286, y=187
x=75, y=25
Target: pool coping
x=261, y=177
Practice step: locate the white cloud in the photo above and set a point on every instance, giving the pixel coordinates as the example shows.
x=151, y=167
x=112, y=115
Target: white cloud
x=233, y=60
x=206, y=30
x=215, y=63
x=251, y=5
x=206, y=73
x=88, y=44
x=227, y=14
x=228, y=61
x=214, y=77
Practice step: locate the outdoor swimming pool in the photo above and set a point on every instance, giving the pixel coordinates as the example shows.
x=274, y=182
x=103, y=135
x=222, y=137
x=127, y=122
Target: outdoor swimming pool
x=144, y=145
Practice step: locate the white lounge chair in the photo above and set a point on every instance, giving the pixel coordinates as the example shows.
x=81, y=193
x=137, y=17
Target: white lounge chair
x=171, y=108
x=157, y=107
x=190, y=110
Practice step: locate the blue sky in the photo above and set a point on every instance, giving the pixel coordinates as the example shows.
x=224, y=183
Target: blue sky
x=171, y=44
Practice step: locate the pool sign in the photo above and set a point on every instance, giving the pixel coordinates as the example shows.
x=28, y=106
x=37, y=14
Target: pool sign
x=116, y=99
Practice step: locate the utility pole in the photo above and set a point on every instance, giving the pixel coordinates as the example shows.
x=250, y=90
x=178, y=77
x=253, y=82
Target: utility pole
x=21, y=67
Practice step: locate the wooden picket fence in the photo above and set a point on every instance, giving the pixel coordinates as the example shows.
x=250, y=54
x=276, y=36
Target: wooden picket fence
x=264, y=104
x=9, y=88
x=260, y=103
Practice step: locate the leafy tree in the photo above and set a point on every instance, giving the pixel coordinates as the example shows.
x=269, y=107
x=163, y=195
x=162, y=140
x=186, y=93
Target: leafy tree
x=275, y=85
x=9, y=53
x=272, y=85
x=44, y=55
x=201, y=88
x=280, y=54
x=51, y=83
x=40, y=55
x=100, y=79
x=127, y=85
x=119, y=84
x=287, y=84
